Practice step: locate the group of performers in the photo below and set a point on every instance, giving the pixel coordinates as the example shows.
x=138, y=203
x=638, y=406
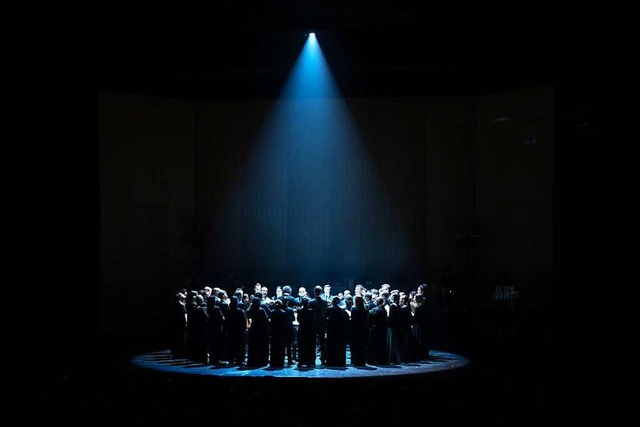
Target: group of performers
x=374, y=326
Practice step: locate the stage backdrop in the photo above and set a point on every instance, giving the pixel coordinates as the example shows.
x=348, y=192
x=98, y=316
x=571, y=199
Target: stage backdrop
x=303, y=191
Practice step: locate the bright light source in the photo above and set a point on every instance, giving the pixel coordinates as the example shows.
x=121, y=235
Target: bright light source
x=311, y=34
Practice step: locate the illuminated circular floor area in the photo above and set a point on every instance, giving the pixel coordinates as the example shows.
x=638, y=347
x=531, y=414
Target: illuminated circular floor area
x=162, y=361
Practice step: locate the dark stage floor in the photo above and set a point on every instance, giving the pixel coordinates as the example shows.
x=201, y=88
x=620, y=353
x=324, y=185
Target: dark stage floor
x=131, y=381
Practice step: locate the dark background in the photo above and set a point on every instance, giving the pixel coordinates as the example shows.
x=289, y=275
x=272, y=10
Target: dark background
x=72, y=212
x=177, y=138
x=184, y=193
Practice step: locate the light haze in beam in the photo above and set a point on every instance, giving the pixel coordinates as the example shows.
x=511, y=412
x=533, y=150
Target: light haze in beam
x=311, y=200
x=311, y=76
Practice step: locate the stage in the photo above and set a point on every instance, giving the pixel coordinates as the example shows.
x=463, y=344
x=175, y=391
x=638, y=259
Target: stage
x=162, y=362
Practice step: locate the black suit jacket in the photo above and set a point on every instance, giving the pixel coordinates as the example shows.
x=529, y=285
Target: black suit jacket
x=319, y=307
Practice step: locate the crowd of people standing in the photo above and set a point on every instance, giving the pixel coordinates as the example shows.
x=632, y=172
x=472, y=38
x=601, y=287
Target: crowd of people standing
x=377, y=326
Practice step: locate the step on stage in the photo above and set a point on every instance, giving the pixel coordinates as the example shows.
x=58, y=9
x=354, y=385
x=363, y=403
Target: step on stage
x=439, y=362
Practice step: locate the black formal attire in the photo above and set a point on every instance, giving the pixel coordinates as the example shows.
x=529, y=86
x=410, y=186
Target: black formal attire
x=236, y=327
x=337, y=324
x=197, y=333
x=278, y=329
x=408, y=346
x=378, y=352
x=177, y=329
x=215, y=334
x=359, y=335
x=394, y=326
x=319, y=307
x=306, y=337
x=258, y=340
x=423, y=330
x=290, y=336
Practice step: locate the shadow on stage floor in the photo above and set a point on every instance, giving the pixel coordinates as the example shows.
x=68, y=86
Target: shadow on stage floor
x=439, y=362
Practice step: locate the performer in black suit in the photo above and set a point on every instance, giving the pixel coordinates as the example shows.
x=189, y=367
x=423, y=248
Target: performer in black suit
x=236, y=327
x=378, y=352
x=422, y=326
x=258, y=340
x=326, y=295
x=197, y=330
x=359, y=332
x=278, y=329
x=290, y=337
x=302, y=295
x=306, y=336
x=337, y=323
x=394, y=329
x=319, y=307
x=177, y=326
x=408, y=346
x=215, y=333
